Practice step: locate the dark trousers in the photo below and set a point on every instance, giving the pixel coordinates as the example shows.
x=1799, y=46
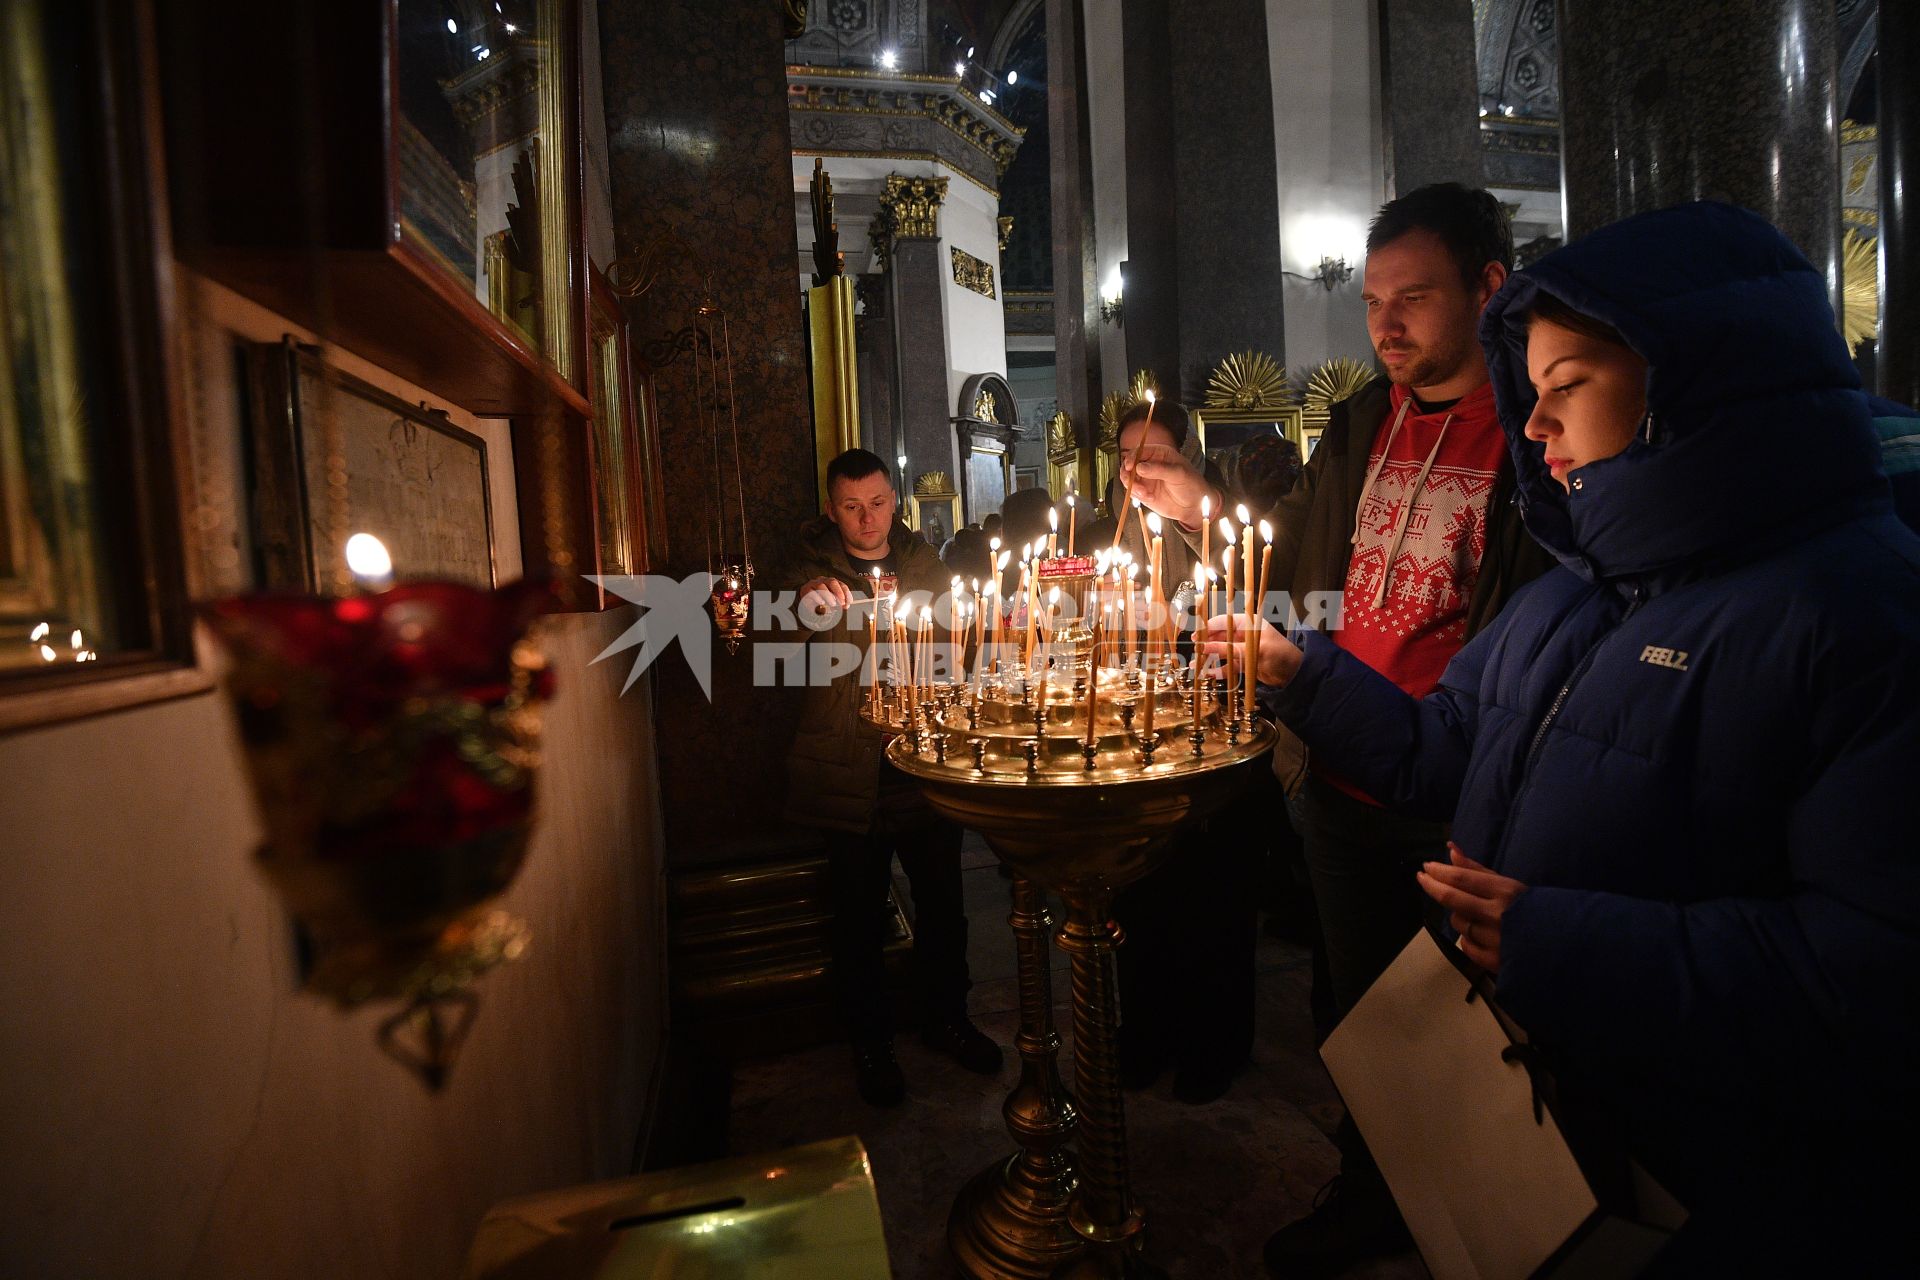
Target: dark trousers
x=1186, y=968
x=1361, y=860
x=861, y=867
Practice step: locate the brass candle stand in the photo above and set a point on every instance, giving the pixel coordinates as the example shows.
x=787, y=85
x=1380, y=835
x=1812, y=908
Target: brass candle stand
x=1083, y=809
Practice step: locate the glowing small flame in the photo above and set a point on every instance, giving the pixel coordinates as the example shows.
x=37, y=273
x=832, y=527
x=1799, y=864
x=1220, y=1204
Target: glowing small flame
x=1226, y=528
x=1053, y=519
x=47, y=654
x=367, y=557
x=1150, y=396
x=1069, y=500
x=76, y=641
x=1206, y=508
x=1153, y=524
x=1006, y=558
x=1241, y=511
x=40, y=632
x=1266, y=532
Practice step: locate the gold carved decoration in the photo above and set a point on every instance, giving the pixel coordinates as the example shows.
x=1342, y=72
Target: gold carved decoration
x=913, y=206
x=984, y=408
x=1118, y=402
x=828, y=261
x=795, y=13
x=1249, y=386
x=1005, y=223
x=1060, y=442
x=1859, y=288
x=1333, y=382
x=933, y=484
x=970, y=272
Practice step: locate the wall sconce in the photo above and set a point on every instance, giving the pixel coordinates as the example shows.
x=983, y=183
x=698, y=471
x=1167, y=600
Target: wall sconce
x=1329, y=275
x=1112, y=307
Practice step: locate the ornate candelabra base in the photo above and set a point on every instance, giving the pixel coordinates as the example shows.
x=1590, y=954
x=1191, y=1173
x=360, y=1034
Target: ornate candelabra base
x=1010, y=1221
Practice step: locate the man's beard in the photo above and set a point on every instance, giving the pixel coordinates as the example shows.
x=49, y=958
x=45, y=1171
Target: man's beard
x=1429, y=366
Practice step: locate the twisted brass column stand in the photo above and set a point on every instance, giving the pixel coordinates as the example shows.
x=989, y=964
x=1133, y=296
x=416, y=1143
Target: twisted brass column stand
x=1103, y=1210
x=1010, y=1221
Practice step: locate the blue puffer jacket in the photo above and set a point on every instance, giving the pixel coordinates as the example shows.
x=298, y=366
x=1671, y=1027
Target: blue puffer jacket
x=1698, y=741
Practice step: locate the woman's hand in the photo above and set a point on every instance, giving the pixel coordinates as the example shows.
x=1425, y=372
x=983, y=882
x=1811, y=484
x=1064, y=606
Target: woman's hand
x=1475, y=899
x=1277, y=659
x=1166, y=482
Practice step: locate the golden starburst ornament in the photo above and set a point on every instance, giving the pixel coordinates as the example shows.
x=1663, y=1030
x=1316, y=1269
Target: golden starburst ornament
x=1247, y=381
x=1334, y=381
x=1859, y=288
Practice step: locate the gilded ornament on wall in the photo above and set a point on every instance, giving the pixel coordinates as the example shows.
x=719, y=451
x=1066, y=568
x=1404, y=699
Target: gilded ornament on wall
x=970, y=272
x=913, y=205
x=1333, y=381
x=1249, y=382
x=1061, y=445
x=1005, y=223
x=1859, y=288
x=1117, y=403
x=933, y=484
x=985, y=409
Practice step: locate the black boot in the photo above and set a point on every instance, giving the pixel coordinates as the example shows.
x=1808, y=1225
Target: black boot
x=877, y=1074
x=965, y=1043
x=1353, y=1219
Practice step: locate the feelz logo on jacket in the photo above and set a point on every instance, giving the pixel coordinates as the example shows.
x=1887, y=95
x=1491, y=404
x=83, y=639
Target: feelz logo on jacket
x=1661, y=656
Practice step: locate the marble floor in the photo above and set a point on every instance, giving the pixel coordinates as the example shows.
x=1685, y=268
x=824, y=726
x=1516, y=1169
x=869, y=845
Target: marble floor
x=1215, y=1180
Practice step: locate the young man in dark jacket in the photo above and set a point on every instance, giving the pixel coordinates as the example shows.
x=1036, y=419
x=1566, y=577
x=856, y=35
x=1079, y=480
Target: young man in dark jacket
x=1406, y=509
x=839, y=781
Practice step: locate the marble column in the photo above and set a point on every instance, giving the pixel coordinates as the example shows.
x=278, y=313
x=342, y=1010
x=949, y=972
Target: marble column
x=1203, y=247
x=700, y=156
x=916, y=281
x=1719, y=99
x=1226, y=175
x=1076, y=293
x=1898, y=351
x=1431, y=95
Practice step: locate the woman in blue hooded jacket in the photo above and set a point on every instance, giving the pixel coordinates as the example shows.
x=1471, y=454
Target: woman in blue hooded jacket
x=1681, y=766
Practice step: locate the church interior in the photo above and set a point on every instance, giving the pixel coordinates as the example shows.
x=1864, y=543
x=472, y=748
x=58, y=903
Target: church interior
x=423, y=856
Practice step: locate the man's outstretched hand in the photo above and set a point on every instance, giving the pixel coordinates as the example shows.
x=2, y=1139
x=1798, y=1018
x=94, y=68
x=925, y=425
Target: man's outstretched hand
x=1166, y=482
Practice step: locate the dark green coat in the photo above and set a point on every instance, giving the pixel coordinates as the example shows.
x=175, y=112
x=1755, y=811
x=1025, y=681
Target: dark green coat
x=833, y=767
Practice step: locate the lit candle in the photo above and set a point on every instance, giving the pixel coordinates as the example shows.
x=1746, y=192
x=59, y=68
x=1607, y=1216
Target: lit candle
x=1093, y=677
x=999, y=608
x=1200, y=593
x=978, y=619
x=1053, y=532
x=1266, y=563
x=1070, y=521
x=1053, y=602
x=1153, y=615
x=873, y=647
x=1252, y=639
x=1033, y=608
x=1206, y=532
x=954, y=664
x=1226, y=601
x=368, y=561
x=926, y=652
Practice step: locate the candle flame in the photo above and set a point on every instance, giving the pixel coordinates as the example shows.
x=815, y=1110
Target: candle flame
x=1266, y=532
x=1053, y=519
x=1153, y=524
x=993, y=546
x=1006, y=558
x=1206, y=507
x=1136, y=504
x=1026, y=552
x=1053, y=596
x=1132, y=569
x=1150, y=396
x=1226, y=529
x=367, y=557
x=47, y=654
x=76, y=642
x=1069, y=498
x=40, y=632
x=1241, y=511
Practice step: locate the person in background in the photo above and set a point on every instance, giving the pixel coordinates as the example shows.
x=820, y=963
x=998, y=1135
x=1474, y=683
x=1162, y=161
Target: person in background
x=1678, y=765
x=839, y=782
x=1405, y=510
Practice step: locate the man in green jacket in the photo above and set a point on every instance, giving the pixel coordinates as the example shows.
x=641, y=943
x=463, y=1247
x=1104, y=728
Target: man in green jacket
x=1405, y=515
x=838, y=780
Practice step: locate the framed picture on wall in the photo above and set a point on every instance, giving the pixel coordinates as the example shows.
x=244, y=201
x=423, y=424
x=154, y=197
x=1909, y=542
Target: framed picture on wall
x=1309, y=441
x=936, y=516
x=415, y=480
x=1029, y=478
x=623, y=457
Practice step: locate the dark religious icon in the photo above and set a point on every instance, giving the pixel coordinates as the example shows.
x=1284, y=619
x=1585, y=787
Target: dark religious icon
x=828, y=261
